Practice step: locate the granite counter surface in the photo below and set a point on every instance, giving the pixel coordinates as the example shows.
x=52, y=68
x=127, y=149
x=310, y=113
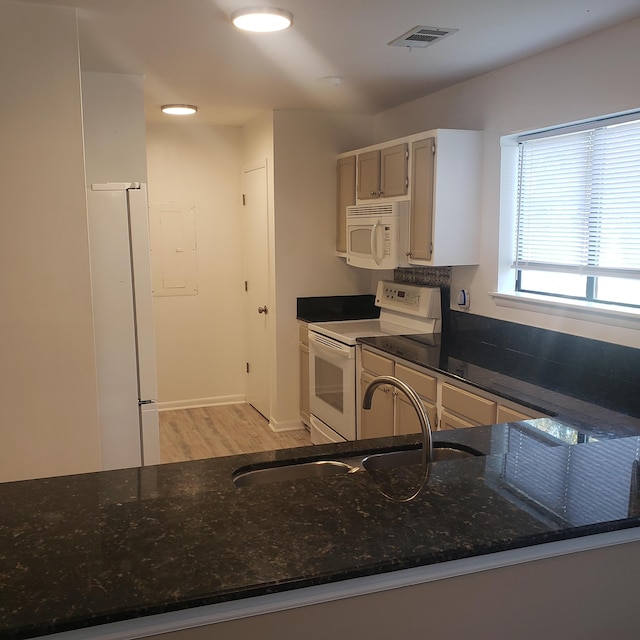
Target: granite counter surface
x=85, y=550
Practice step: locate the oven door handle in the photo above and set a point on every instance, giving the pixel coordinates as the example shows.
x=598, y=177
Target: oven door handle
x=324, y=343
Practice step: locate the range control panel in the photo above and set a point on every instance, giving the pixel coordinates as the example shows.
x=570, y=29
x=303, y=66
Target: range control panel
x=406, y=298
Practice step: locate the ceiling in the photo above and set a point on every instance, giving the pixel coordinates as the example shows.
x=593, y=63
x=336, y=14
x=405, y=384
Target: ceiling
x=189, y=52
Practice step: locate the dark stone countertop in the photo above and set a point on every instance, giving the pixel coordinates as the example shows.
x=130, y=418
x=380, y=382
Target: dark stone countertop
x=595, y=405
x=85, y=550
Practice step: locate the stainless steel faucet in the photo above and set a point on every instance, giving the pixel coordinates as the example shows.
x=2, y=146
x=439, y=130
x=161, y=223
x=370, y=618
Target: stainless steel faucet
x=425, y=425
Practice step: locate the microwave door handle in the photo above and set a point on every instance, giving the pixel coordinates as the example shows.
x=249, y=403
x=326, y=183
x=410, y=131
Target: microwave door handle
x=374, y=242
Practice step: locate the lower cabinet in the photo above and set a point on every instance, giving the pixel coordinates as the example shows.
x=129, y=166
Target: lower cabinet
x=376, y=422
x=462, y=408
x=303, y=355
x=506, y=414
x=448, y=405
x=391, y=412
x=407, y=420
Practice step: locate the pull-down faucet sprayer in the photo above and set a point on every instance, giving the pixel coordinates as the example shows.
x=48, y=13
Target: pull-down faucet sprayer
x=425, y=425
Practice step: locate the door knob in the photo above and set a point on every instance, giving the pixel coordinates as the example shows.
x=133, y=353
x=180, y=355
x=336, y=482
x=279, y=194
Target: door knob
x=263, y=310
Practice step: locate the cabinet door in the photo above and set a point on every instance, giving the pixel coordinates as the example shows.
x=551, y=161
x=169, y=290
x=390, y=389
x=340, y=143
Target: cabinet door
x=369, y=175
x=506, y=414
x=407, y=420
x=394, y=166
x=377, y=421
x=449, y=421
x=424, y=385
x=346, y=190
x=378, y=365
x=469, y=406
x=422, y=192
x=305, y=413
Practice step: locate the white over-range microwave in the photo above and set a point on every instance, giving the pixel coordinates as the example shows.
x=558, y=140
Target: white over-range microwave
x=378, y=235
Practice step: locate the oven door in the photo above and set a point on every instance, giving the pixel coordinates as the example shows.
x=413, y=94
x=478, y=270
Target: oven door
x=332, y=384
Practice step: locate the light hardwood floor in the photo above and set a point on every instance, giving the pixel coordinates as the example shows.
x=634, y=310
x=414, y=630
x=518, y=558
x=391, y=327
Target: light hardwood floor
x=210, y=432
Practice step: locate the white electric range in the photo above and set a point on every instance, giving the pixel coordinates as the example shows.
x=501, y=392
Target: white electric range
x=404, y=310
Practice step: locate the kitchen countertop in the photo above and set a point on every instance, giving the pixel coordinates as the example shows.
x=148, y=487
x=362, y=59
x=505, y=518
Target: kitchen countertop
x=594, y=406
x=85, y=550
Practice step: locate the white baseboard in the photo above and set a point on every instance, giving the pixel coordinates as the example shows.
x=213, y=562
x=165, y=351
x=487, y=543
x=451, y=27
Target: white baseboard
x=194, y=403
x=288, y=425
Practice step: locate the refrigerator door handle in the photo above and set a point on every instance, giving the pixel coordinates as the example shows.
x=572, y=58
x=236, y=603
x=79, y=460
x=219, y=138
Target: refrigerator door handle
x=142, y=296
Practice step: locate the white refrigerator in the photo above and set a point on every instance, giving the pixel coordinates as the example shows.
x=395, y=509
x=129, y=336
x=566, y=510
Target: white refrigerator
x=123, y=324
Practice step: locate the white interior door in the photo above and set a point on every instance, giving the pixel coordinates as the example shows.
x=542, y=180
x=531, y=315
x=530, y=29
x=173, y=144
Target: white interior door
x=256, y=236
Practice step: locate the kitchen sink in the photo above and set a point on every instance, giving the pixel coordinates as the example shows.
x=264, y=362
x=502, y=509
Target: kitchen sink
x=368, y=462
x=317, y=469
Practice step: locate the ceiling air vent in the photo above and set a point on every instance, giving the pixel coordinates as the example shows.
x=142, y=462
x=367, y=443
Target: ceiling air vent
x=421, y=37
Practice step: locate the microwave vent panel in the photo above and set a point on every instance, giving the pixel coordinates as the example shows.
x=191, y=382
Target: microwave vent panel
x=421, y=37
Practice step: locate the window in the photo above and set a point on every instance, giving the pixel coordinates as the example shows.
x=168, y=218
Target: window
x=578, y=212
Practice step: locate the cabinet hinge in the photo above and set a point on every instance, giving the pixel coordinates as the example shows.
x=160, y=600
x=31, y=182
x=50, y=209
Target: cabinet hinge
x=406, y=182
x=247, y=367
x=433, y=148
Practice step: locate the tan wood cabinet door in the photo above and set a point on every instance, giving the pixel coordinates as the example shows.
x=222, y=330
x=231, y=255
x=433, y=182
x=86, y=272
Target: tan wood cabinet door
x=422, y=193
x=369, y=175
x=346, y=180
x=394, y=171
x=407, y=420
x=377, y=421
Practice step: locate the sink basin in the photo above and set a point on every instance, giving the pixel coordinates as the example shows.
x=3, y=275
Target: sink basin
x=316, y=469
x=369, y=462
x=394, y=459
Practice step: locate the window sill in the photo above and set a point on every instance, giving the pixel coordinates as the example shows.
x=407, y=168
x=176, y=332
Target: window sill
x=589, y=311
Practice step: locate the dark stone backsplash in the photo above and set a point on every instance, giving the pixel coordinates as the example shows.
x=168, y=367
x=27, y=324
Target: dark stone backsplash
x=575, y=355
x=335, y=308
x=425, y=276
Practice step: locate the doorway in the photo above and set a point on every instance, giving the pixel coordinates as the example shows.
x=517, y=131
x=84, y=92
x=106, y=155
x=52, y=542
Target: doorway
x=256, y=249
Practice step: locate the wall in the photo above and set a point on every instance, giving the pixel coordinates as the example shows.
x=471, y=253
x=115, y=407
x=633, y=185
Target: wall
x=48, y=408
x=305, y=148
x=584, y=596
x=200, y=338
x=299, y=149
x=590, y=77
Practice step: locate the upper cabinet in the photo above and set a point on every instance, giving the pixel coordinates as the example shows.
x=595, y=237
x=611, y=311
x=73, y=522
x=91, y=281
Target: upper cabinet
x=440, y=172
x=346, y=196
x=423, y=155
x=383, y=173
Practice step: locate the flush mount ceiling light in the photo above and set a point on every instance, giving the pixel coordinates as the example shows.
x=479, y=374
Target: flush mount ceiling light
x=179, y=109
x=262, y=19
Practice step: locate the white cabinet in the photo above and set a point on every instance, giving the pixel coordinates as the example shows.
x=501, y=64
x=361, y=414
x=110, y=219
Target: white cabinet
x=440, y=172
x=445, y=198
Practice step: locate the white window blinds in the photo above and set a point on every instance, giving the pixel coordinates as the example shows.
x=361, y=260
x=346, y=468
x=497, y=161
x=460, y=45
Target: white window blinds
x=578, y=207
